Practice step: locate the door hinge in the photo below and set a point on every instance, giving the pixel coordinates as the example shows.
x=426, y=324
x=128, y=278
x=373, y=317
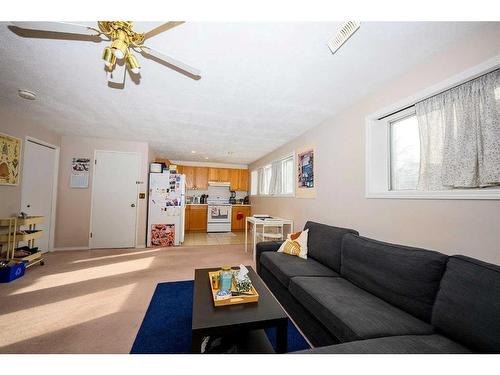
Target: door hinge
x=95, y=162
x=90, y=234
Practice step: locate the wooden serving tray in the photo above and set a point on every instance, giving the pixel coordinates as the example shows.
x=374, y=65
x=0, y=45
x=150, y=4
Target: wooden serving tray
x=234, y=300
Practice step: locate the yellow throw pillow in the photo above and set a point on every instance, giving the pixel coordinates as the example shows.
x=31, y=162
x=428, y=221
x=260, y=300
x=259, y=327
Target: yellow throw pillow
x=295, y=244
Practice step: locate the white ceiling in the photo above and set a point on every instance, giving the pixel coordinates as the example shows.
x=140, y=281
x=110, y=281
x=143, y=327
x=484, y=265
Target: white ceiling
x=262, y=83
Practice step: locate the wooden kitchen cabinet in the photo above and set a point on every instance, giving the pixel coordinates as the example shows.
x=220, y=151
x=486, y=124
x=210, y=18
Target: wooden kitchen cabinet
x=190, y=176
x=201, y=178
x=224, y=175
x=213, y=174
x=197, y=218
x=243, y=180
x=187, y=218
x=198, y=177
x=234, y=179
x=239, y=225
x=218, y=174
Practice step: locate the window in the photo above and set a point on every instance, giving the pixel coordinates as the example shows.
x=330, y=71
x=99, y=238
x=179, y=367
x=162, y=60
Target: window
x=405, y=153
x=275, y=179
x=287, y=176
x=430, y=148
x=265, y=181
x=254, y=183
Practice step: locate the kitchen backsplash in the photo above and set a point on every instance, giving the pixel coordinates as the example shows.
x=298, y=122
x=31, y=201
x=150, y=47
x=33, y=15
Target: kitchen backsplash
x=216, y=191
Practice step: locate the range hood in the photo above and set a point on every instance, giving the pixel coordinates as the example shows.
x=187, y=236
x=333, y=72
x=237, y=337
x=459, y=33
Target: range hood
x=218, y=183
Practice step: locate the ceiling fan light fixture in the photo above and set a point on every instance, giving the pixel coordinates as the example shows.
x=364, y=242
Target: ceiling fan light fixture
x=109, y=57
x=119, y=48
x=133, y=64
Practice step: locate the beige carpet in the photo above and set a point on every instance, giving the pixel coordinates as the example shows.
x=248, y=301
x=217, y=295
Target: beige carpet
x=93, y=301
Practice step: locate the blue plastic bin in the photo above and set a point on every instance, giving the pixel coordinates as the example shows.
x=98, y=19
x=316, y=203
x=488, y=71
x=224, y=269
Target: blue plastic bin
x=11, y=272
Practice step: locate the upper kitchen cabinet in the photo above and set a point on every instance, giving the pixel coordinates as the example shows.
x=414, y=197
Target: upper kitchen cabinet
x=218, y=174
x=198, y=177
x=190, y=176
x=224, y=174
x=243, y=179
x=213, y=174
x=234, y=179
x=201, y=178
x=238, y=179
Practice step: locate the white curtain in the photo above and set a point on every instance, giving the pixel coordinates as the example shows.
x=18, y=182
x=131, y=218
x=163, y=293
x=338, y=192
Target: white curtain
x=460, y=136
x=275, y=186
x=260, y=179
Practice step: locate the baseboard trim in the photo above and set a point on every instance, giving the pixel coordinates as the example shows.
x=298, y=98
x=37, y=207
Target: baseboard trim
x=140, y=247
x=70, y=248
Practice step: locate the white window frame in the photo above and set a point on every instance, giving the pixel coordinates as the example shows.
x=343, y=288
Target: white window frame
x=377, y=143
x=291, y=195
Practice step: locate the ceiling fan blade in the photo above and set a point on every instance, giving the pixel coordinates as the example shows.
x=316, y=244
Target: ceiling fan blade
x=58, y=27
x=162, y=28
x=117, y=75
x=176, y=64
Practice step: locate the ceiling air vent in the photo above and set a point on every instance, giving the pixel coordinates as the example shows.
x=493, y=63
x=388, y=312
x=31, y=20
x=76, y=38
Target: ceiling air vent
x=343, y=34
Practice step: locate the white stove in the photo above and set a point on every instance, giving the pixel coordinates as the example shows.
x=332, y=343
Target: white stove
x=219, y=216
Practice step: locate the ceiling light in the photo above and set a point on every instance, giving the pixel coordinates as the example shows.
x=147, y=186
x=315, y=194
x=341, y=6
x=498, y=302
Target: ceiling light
x=109, y=57
x=206, y=157
x=133, y=64
x=344, y=33
x=119, y=48
x=25, y=94
x=193, y=152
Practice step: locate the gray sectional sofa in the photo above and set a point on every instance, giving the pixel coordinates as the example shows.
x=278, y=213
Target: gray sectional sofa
x=358, y=295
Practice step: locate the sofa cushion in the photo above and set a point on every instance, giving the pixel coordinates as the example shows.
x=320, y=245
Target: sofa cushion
x=324, y=243
x=412, y=344
x=351, y=313
x=406, y=277
x=467, y=307
x=284, y=267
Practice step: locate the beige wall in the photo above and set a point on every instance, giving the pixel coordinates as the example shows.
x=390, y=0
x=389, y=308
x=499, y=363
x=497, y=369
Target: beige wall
x=11, y=124
x=469, y=227
x=73, y=206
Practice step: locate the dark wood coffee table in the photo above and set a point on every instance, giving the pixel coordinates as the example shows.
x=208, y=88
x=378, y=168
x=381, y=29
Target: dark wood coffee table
x=209, y=320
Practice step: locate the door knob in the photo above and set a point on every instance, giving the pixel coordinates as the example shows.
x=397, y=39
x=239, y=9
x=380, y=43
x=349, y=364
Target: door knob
x=132, y=205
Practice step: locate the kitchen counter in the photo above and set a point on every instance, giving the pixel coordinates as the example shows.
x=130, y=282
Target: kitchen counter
x=206, y=204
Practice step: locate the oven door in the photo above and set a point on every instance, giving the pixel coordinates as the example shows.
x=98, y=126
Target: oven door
x=219, y=213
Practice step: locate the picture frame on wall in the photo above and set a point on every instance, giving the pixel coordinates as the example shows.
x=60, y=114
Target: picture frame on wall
x=10, y=159
x=305, y=168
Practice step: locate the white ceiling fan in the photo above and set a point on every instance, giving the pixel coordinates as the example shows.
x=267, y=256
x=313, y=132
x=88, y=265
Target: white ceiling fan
x=123, y=40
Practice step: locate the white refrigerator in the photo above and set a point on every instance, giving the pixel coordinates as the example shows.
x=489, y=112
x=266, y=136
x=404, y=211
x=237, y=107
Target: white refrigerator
x=166, y=209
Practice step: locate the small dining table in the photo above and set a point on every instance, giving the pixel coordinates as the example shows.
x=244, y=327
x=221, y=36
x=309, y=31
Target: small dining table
x=254, y=222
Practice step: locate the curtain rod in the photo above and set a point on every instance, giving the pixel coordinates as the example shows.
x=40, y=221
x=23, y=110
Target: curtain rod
x=439, y=93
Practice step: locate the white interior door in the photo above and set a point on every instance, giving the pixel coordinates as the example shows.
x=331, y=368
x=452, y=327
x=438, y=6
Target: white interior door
x=114, y=199
x=37, y=186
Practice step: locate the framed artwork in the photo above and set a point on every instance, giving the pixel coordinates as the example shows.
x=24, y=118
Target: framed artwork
x=10, y=159
x=163, y=235
x=306, y=184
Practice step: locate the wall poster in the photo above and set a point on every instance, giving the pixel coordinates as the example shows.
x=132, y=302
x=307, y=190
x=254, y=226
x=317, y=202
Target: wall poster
x=306, y=184
x=80, y=170
x=10, y=159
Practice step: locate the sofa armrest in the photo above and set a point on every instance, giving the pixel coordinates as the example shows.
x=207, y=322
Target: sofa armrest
x=265, y=246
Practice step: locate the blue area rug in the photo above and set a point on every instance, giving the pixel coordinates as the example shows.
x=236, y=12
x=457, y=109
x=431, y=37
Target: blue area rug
x=166, y=328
